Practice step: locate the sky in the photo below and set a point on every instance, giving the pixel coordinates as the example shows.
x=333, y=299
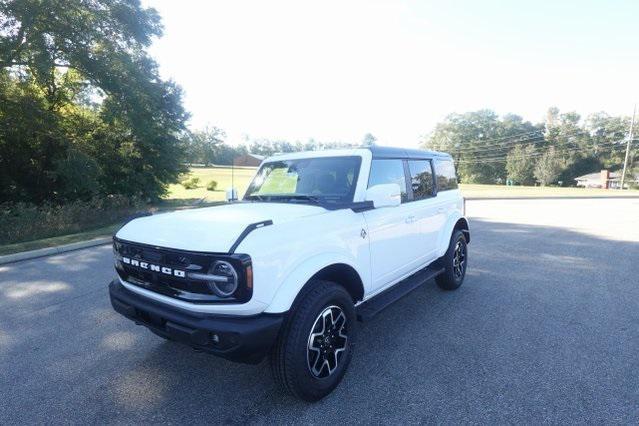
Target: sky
x=336, y=70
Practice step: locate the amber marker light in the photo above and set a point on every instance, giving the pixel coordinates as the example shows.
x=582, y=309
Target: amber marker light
x=249, y=277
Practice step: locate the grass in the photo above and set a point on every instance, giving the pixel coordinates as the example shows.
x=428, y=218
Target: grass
x=502, y=191
x=222, y=175
x=105, y=231
x=58, y=241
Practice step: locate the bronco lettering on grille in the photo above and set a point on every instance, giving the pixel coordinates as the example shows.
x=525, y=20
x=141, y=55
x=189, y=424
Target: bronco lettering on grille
x=155, y=268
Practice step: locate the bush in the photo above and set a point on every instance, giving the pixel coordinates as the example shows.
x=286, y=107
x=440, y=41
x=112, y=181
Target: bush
x=190, y=183
x=77, y=176
x=26, y=222
x=212, y=186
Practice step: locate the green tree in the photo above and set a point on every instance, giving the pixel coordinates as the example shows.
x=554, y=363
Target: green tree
x=269, y=147
x=480, y=141
x=548, y=167
x=519, y=164
x=369, y=140
x=204, y=146
x=81, y=68
x=604, y=131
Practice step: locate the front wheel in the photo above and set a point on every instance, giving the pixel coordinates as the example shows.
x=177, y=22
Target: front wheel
x=455, y=262
x=315, y=346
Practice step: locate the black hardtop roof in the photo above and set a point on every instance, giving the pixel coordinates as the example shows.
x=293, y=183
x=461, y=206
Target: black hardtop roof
x=392, y=152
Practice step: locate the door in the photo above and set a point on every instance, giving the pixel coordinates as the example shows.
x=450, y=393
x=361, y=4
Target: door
x=389, y=228
x=426, y=211
x=448, y=198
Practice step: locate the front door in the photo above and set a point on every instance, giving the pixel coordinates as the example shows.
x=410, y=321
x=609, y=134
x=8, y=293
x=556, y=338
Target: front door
x=389, y=228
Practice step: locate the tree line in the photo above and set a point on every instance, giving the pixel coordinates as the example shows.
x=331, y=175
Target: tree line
x=209, y=147
x=491, y=149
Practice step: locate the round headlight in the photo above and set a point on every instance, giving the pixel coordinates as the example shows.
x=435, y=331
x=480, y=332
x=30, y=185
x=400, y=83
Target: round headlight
x=224, y=269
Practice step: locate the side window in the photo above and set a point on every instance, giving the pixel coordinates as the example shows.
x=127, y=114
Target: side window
x=421, y=176
x=388, y=171
x=446, y=177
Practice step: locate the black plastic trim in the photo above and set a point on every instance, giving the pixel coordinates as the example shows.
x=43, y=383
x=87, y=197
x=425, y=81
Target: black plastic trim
x=371, y=307
x=244, y=339
x=362, y=206
x=252, y=227
x=410, y=196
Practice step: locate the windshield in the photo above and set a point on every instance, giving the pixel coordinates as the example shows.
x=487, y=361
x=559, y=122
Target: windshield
x=322, y=180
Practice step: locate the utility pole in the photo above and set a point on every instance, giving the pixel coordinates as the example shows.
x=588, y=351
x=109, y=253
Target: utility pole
x=625, y=162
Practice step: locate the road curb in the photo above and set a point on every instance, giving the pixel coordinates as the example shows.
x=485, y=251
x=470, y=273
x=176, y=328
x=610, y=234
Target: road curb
x=34, y=254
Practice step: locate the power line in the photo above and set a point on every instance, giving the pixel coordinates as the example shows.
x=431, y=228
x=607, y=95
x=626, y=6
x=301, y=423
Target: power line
x=534, y=156
x=513, y=136
x=602, y=147
x=507, y=144
x=577, y=132
x=505, y=139
x=481, y=150
x=543, y=148
x=510, y=145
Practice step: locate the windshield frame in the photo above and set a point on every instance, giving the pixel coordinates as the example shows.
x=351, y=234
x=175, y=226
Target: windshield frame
x=295, y=198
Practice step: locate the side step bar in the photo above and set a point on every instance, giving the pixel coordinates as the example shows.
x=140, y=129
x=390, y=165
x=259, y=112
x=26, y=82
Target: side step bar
x=367, y=310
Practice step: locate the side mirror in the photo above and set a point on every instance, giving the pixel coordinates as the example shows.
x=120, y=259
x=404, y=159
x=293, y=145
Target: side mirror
x=385, y=195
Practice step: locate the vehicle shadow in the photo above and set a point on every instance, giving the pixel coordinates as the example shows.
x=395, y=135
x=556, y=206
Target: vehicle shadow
x=545, y=328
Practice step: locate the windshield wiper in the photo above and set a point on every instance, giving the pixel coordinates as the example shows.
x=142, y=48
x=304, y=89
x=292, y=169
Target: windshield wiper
x=298, y=197
x=288, y=198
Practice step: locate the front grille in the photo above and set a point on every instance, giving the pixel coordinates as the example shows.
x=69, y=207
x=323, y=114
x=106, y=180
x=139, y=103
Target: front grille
x=167, y=271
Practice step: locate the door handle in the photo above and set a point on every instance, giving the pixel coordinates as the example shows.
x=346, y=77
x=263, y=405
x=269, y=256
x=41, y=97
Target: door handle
x=440, y=210
x=410, y=219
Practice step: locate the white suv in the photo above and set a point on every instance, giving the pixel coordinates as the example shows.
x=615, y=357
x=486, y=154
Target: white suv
x=320, y=240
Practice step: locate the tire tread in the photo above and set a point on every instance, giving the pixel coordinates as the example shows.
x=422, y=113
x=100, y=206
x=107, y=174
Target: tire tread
x=282, y=354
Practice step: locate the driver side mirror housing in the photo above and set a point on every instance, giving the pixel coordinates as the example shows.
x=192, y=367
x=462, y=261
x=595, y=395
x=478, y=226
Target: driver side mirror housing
x=384, y=195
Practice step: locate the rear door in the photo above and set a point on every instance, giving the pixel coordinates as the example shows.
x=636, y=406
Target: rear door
x=448, y=198
x=425, y=211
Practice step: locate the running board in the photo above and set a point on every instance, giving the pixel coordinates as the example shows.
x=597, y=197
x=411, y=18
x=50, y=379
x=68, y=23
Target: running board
x=376, y=304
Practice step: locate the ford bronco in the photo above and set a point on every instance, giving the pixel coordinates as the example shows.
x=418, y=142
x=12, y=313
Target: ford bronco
x=319, y=241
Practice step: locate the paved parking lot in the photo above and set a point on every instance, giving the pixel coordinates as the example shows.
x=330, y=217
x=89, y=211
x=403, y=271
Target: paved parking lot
x=545, y=329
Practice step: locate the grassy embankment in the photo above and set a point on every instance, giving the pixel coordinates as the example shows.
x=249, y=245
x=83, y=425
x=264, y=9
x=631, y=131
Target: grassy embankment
x=177, y=198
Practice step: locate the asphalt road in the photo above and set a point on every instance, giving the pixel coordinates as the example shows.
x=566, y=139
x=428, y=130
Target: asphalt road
x=545, y=329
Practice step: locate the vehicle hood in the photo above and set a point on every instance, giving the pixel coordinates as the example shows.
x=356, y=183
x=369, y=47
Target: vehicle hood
x=209, y=229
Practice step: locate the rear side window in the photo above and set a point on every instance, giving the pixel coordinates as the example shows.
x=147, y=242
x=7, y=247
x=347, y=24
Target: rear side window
x=388, y=171
x=421, y=177
x=446, y=177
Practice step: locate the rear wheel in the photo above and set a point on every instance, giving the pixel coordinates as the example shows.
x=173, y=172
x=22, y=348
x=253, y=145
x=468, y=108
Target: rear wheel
x=315, y=346
x=455, y=262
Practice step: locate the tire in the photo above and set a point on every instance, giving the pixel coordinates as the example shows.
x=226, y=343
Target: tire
x=306, y=362
x=455, y=262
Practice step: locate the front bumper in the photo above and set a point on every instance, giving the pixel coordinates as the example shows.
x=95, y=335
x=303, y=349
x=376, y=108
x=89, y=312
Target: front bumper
x=241, y=339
